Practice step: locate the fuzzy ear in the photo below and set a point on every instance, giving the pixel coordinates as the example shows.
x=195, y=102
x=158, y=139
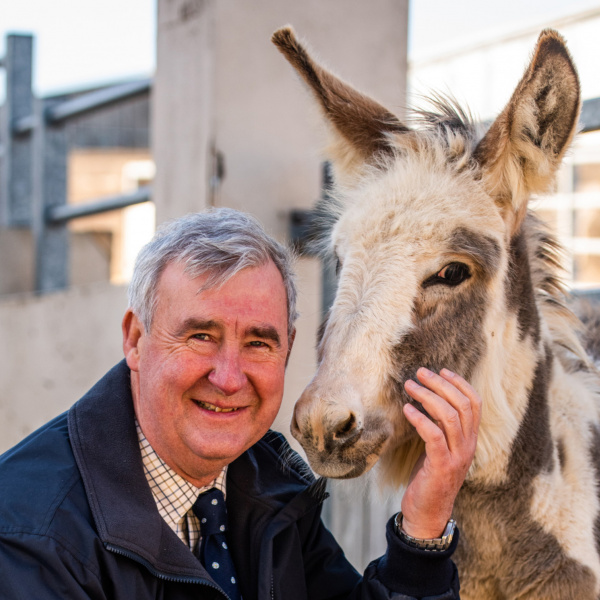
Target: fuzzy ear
x=522, y=150
x=361, y=126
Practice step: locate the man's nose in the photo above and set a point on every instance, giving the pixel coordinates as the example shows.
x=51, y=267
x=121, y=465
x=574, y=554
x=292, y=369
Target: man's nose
x=227, y=374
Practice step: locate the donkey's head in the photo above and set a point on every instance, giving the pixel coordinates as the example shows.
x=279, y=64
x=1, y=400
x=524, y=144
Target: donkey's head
x=428, y=241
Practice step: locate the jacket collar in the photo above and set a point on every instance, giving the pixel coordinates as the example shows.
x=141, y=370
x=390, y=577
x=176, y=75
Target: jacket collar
x=105, y=445
x=263, y=492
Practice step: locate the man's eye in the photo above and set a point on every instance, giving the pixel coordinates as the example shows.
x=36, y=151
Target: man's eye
x=204, y=337
x=258, y=344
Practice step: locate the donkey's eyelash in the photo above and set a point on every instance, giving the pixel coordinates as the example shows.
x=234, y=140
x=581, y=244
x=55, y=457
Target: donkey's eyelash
x=338, y=263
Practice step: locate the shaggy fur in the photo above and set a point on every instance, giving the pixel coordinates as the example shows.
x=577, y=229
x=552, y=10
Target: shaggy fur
x=441, y=265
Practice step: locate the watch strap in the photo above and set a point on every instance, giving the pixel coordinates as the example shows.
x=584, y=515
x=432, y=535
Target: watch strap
x=435, y=544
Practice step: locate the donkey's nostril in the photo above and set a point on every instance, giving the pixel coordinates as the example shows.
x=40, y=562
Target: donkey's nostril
x=294, y=423
x=295, y=427
x=345, y=428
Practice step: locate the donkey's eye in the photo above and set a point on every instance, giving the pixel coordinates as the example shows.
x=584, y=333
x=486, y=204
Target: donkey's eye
x=452, y=274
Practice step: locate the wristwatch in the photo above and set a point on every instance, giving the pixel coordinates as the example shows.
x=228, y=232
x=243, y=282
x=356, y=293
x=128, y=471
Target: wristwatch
x=436, y=544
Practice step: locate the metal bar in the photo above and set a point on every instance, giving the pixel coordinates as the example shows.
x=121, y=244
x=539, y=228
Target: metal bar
x=87, y=102
x=97, y=99
x=50, y=190
x=24, y=125
x=589, y=120
x=67, y=212
x=15, y=176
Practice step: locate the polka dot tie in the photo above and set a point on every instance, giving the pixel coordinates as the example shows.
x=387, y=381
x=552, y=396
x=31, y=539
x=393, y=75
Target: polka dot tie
x=213, y=552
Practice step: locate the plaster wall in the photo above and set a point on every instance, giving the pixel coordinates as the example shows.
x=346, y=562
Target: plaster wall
x=53, y=348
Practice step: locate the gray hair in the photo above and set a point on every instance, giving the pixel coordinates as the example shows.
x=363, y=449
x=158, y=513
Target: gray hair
x=218, y=242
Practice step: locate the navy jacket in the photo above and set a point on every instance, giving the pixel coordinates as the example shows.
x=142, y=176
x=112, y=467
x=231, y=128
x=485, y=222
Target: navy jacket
x=78, y=520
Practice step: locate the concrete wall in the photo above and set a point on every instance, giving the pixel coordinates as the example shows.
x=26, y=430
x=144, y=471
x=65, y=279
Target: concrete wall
x=267, y=126
x=17, y=261
x=53, y=348
x=239, y=99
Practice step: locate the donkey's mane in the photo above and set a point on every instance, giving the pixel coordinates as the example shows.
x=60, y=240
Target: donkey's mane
x=445, y=114
x=546, y=264
x=449, y=127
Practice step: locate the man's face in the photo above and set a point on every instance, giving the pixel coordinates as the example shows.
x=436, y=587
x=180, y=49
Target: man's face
x=207, y=379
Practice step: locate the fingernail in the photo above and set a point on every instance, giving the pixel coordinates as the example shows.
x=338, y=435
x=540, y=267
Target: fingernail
x=410, y=408
x=447, y=372
x=409, y=383
x=426, y=372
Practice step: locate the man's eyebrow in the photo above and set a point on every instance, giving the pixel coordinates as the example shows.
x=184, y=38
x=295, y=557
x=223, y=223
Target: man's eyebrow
x=192, y=324
x=265, y=332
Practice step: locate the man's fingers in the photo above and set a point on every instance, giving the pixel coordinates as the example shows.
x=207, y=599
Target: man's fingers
x=452, y=403
x=429, y=432
x=446, y=418
x=469, y=392
x=455, y=391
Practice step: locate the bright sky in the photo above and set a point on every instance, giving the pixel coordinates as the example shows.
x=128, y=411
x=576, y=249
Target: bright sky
x=81, y=42
x=439, y=24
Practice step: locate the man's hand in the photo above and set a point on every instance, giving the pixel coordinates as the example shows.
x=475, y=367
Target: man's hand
x=450, y=442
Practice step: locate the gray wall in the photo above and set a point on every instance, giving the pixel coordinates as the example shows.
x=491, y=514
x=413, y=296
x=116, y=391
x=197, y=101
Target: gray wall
x=53, y=348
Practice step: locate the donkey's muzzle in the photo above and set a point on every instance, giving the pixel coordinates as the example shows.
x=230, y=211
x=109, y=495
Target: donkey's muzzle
x=335, y=439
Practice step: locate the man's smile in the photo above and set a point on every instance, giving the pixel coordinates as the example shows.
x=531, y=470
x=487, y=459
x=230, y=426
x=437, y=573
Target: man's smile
x=213, y=407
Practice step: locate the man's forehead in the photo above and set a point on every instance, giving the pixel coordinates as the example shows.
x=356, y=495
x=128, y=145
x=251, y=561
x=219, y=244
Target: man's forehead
x=256, y=295
x=213, y=277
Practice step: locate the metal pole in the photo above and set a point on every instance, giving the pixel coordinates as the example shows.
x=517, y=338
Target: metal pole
x=50, y=186
x=67, y=212
x=17, y=160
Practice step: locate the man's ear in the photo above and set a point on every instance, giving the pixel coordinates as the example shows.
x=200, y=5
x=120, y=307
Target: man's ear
x=291, y=339
x=133, y=330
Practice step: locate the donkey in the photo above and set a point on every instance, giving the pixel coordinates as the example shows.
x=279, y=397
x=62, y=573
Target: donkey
x=441, y=264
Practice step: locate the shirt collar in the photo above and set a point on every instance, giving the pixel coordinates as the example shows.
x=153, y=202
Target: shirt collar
x=174, y=495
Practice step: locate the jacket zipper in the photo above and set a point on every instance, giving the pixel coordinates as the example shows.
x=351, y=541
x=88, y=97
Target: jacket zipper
x=159, y=574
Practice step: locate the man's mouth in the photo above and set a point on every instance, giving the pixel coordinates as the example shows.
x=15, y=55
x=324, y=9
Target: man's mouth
x=213, y=408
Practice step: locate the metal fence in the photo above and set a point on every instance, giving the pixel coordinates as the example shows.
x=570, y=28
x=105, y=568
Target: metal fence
x=35, y=147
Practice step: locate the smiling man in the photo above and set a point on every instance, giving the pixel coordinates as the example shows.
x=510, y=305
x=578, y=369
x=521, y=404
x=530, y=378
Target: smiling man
x=207, y=378
x=164, y=480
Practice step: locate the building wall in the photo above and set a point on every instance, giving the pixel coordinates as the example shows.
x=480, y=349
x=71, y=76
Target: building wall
x=116, y=235
x=483, y=73
x=53, y=348
x=267, y=127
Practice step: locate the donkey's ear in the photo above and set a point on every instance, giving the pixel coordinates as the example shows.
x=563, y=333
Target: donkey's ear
x=361, y=126
x=522, y=150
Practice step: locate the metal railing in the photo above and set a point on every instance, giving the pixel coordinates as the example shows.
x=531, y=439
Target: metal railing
x=33, y=192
